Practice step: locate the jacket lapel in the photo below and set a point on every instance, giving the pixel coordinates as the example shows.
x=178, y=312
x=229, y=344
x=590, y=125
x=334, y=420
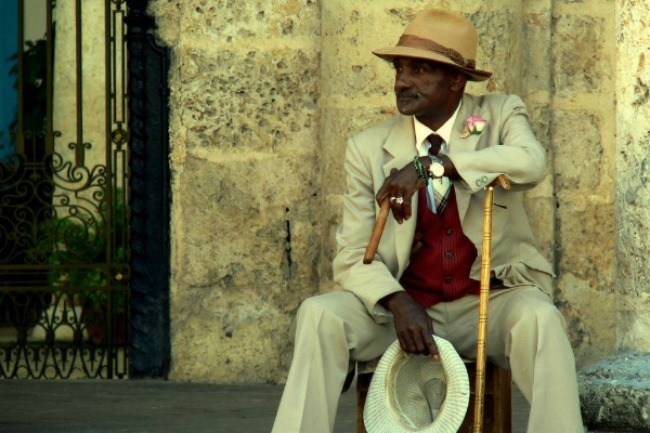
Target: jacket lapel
x=400, y=149
x=458, y=144
x=399, y=145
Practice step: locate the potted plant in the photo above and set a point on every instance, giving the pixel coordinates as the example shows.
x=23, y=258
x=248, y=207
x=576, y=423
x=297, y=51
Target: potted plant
x=79, y=270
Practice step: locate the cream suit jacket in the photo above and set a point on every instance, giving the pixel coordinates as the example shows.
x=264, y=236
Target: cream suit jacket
x=506, y=146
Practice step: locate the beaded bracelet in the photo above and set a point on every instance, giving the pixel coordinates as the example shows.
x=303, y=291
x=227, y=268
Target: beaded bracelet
x=424, y=174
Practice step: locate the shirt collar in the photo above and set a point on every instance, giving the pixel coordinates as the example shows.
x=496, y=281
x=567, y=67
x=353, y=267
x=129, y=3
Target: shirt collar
x=422, y=131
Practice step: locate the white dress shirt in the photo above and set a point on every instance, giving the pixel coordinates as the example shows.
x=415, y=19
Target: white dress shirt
x=422, y=145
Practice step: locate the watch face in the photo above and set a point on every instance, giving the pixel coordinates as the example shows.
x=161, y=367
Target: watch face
x=437, y=169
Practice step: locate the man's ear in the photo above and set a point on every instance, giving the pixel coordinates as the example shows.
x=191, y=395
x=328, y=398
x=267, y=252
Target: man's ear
x=458, y=82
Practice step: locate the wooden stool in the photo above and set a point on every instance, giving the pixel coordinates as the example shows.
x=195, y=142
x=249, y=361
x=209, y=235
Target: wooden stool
x=497, y=404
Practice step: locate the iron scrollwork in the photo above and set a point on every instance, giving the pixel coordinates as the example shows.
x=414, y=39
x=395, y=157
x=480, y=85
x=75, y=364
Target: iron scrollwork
x=64, y=245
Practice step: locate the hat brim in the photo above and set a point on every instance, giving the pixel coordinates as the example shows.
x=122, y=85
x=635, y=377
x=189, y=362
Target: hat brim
x=380, y=416
x=391, y=52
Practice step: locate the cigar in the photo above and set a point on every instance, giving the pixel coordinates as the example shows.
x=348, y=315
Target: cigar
x=373, y=244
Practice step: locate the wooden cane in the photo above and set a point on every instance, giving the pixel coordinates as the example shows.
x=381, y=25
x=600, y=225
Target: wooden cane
x=373, y=244
x=484, y=299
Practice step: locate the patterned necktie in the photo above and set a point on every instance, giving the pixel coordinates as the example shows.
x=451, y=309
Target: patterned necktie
x=438, y=188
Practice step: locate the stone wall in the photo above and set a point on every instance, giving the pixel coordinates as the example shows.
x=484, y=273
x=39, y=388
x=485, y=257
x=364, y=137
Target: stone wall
x=265, y=94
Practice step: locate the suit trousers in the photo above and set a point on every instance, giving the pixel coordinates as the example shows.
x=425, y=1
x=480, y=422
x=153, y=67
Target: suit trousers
x=526, y=333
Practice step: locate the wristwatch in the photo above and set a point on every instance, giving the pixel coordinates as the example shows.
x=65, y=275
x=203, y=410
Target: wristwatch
x=436, y=168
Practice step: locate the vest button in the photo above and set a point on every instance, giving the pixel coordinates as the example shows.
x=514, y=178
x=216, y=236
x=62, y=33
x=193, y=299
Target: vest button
x=447, y=279
x=449, y=231
x=449, y=255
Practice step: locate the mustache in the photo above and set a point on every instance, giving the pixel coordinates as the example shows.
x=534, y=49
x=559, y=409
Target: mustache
x=406, y=93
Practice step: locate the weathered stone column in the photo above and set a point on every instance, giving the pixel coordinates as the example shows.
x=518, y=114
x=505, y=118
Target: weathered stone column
x=615, y=392
x=583, y=134
x=245, y=164
x=633, y=176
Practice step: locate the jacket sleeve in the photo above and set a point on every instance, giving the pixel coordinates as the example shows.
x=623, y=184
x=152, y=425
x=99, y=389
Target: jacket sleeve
x=518, y=154
x=371, y=282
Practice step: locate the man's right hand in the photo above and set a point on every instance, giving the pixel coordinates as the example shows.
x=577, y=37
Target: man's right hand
x=413, y=325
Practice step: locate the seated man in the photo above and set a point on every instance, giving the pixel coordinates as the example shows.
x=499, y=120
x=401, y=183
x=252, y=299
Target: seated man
x=432, y=161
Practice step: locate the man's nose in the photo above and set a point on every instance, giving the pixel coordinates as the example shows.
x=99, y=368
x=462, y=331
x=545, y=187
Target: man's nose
x=402, y=81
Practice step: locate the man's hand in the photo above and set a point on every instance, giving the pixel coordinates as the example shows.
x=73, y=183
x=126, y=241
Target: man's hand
x=401, y=183
x=413, y=325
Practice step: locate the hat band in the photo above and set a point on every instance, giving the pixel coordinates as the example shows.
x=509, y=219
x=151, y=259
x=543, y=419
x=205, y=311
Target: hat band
x=429, y=45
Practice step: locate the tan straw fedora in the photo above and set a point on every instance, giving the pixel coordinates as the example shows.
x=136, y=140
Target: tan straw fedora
x=415, y=394
x=439, y=36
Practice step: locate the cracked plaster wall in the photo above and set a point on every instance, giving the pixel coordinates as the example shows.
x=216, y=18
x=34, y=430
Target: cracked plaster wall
x=264, y=95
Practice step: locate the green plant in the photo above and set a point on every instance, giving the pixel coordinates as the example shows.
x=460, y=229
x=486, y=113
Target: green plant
x=75, y=245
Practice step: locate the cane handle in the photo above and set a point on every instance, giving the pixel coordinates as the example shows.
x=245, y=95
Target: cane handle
x=502, y=181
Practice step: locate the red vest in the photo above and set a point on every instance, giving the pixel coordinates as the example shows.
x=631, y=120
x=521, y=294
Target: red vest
x=442, y=256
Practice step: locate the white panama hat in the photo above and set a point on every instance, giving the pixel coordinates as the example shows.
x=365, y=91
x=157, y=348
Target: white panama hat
x=415, y=394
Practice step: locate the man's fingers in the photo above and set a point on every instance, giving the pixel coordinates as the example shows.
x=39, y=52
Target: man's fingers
x=397, y=213
x=419, y=345
x=433, y=349
x=382, y=194
x=406, y=206
x=431, y=344
x=406, y=343
x=397, y=206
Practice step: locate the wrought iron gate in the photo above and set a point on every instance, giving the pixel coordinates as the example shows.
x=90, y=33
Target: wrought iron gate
x=64, y=242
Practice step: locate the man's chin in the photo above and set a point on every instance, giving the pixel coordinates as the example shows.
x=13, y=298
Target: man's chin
x=406, y=112
x=407, y=106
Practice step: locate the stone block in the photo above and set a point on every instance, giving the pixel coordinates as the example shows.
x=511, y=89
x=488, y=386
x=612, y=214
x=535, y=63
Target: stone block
x=350, y=69
x=536, y=74
x=615, y=393
x=588, y=312
x=580, y=62
x=236, y=233
x=338, y=124
x=540, y=121
x=541, y=213
x=586, y=266
x=242, y=101
x=587, y=239
x=499, y=35
x=346, y=18
x=633, y=330
x=232, y=20
x=578, y=151
x=230, y=338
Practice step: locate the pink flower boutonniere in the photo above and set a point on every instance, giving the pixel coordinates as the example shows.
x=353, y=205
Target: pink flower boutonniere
x=473, y=126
